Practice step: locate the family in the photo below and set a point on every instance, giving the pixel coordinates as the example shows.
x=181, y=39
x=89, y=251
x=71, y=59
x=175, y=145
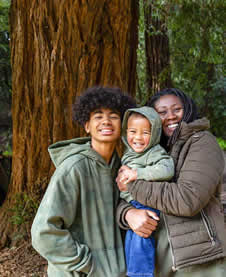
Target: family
x=155, y=212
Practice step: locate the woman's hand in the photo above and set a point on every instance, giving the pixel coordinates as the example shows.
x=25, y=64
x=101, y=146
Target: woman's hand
x=142, y=222
x=125, y=175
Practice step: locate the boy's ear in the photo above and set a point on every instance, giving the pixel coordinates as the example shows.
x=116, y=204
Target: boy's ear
x=87, y=127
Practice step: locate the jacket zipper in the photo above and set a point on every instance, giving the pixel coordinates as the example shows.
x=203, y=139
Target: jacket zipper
x=209, y=231
x=208, y=227
x=171, y=249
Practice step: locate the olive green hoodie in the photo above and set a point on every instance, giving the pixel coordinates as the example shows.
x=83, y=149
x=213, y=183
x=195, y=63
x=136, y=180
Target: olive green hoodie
x=75, y=228
x=153, y=164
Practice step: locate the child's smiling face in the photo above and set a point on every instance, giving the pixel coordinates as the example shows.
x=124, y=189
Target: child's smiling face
x=138, y=132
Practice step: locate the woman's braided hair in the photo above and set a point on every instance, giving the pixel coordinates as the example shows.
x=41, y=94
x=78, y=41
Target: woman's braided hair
x=189, y=106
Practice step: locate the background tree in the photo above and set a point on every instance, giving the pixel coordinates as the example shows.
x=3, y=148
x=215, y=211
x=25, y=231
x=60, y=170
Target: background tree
x=195, y=31
x=156, y=48
x=154, y=72
x=57, y=51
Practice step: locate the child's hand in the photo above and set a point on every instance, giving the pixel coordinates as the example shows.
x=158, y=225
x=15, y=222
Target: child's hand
x=122, y=168
x=129, y=175
x=125, y=176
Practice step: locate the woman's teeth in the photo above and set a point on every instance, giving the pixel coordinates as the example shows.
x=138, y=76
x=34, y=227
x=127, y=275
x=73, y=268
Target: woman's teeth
x=173, y=125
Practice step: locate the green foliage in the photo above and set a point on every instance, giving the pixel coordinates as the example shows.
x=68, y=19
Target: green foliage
x=5, y=141
x=5, y=68
x=196, y=31
x=217, y=107
x=196, y=34
x=24, y=209
x=7, y=153
x=5, y=81
x=4, y=8
x=197, y=56
x=222, y=143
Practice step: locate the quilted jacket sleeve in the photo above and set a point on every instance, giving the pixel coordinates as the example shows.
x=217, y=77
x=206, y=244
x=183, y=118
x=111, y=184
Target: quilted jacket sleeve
x=122, y=209
x=51, y=235
x=197, y=182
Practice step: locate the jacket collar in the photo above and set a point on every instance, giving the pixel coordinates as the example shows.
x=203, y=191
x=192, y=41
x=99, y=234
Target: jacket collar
x=188, y=129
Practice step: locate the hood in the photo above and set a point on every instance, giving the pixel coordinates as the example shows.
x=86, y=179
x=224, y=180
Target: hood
x=154, y=119
x=62, y=150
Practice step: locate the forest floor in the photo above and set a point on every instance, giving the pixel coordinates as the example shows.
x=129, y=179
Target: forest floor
x=24, y=261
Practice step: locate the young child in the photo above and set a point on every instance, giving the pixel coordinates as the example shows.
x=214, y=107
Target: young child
x=75, y=227
x=141, y=132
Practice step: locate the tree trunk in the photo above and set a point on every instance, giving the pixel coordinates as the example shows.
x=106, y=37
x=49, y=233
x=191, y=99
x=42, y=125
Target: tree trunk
x=158, y=71
x=58, y=49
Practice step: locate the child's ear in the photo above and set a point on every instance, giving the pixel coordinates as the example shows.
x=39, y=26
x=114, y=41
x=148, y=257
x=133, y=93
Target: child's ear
x=87, y=127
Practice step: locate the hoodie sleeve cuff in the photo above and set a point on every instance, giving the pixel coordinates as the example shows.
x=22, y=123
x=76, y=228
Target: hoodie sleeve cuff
x=88, y=267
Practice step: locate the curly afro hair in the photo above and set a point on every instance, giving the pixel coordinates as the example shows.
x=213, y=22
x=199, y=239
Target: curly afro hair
x=101, y=97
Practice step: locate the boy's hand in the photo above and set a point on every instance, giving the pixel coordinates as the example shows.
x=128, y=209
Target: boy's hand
x=125, y=175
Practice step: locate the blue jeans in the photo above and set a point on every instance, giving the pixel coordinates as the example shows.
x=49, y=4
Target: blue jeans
x=140, y=252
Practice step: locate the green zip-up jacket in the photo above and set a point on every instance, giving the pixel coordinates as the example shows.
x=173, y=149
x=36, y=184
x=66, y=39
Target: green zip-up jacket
x=153, y=164
x=75, y=227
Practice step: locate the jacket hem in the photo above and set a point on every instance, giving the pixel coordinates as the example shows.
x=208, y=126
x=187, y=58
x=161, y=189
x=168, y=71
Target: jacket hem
x=199, y=261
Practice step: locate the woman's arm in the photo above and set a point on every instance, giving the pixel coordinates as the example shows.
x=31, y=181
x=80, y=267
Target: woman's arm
x=196, y=184
x=140, y=221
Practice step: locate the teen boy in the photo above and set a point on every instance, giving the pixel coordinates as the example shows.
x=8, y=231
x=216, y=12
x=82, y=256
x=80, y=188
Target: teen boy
x=75, y=228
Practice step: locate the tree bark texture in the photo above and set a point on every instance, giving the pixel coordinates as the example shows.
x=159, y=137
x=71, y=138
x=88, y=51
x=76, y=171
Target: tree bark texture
x=156, y=51
x=58, y=49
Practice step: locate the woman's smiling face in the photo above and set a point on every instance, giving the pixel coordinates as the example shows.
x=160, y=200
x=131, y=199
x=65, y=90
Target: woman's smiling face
x=170, y=109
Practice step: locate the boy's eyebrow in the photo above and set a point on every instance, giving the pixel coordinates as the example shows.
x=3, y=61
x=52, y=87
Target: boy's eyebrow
x=99, y=111
x=117, y=112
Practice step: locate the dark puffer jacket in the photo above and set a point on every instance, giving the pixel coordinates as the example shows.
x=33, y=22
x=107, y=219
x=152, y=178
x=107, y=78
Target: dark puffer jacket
x=191, y=205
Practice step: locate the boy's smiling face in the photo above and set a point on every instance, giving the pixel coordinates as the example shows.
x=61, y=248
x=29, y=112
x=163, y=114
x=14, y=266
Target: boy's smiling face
x=104, y=126
x=138, y=132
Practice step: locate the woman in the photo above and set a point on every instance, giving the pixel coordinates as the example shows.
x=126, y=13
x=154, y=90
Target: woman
x=190, y=236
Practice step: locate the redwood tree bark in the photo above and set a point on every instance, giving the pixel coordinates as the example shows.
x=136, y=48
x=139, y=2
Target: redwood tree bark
x=58, y=49
x=157, y=51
